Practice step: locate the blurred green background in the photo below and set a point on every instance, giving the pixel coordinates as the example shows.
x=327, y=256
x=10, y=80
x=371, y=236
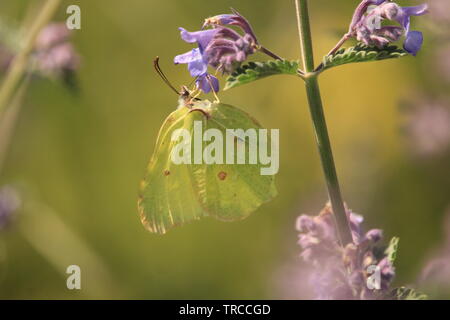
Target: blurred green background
x=84, y=154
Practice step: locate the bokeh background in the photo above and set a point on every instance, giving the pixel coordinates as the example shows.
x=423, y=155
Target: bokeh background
x=79, y=155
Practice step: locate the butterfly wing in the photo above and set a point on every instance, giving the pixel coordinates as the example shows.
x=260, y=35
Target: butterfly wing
x=232, y=192
x=167, y=197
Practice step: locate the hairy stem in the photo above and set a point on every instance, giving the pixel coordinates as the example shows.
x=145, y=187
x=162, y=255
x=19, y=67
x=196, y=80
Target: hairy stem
x=270, y=53
x=338, y=45
x=19, y=64
x=319, y=123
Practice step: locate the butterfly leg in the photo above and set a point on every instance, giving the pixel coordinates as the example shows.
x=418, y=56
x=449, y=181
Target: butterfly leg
x=217, y=100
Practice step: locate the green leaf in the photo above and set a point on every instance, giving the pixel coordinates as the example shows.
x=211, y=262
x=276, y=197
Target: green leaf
x=361, y=53
x=258, y=70
x=174, y=194
x=404, y=293
x=391, y=250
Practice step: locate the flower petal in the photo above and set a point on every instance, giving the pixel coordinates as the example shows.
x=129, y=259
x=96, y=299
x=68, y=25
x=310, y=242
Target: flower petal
x=413, y=42
x=197, y=67
x=407, y=12
x=221, y=19
x=203, y=38
x=188, y=56
x=206, y=81
x=361, y=10
x=392, y=33
x=376, y=2
x=416, y=10
x=235, y=19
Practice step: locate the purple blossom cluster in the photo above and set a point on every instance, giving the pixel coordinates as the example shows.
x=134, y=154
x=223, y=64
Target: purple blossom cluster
x=343, y=272
x=53, y=56
x=367, y=27
x=220, y=47
x=55, y=53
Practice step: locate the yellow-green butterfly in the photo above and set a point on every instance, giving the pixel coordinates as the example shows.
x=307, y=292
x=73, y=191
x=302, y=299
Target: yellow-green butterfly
x=173, y=194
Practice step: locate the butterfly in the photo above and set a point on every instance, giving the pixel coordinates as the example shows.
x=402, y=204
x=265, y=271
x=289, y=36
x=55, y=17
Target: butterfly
x=177, y=192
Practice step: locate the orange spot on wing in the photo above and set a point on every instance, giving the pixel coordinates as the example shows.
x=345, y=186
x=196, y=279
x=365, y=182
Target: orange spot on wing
x=222, y=175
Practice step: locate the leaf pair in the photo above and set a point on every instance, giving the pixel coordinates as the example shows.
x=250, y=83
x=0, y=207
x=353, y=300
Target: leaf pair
x=360, y=53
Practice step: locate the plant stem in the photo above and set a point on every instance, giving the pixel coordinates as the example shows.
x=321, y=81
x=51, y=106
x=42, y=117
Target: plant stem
x=319, y=124
x=338, y=45
x=19, y=64
x=335, y=49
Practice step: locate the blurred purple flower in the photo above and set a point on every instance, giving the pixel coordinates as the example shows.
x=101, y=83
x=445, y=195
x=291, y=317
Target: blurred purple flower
x=427, y=127
x=342, y=273
x=61, y=58
x=234, y=19
x=53, y=34
x=436, y=272
x=220, y=47
x=366, y=24
x=9, y=203
x=197, y=63
x=54, y=54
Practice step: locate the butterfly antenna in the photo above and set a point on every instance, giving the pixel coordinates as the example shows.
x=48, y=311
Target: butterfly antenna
x=162, y=75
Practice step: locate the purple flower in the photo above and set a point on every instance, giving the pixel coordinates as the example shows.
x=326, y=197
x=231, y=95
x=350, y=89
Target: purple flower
x=414, y=39
x=58, y=60
x=361, y=10
x=220, y=47
x=342, y=272
x=197, y=64
x=54, y=54
x=52, y=35
x=235, y=19
x=366, y=24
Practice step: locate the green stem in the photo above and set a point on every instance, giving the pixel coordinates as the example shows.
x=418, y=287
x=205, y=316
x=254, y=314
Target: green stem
x=319, y=123
x=19, y=64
